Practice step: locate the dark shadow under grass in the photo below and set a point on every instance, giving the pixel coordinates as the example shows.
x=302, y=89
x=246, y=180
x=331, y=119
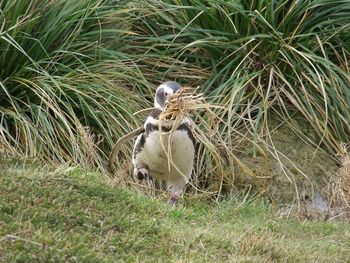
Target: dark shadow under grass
x=77, y=216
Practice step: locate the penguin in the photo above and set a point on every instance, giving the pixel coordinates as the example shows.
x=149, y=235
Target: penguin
x=151, y=153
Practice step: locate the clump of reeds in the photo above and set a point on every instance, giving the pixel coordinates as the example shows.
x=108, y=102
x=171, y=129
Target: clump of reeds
x=56, y=79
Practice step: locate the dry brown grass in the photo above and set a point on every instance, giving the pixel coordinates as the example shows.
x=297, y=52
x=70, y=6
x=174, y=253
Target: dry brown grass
x=344, y=176
x=182, y=103
x=338, y=191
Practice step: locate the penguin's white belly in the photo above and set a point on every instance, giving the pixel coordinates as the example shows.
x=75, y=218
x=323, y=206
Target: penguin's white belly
x=178, y=166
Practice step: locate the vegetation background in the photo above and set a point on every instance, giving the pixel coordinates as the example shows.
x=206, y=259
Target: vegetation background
x=73, y=73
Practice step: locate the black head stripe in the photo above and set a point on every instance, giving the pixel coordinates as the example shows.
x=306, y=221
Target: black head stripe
x=161, y=96
x=151, y=127
x=183, y=127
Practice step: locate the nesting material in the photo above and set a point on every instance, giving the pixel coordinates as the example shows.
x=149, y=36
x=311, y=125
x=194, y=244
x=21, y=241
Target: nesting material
x=187, y=100
x=180, y=104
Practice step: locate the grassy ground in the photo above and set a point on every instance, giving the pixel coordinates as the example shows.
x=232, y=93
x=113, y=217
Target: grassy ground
x=77, y=217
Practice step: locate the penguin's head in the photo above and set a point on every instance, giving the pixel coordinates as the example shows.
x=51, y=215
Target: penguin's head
x=163, y=92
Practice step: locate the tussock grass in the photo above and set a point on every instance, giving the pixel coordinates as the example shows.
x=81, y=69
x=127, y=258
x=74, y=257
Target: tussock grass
x=74, y=72
x=262, y=61
x=64, y=93
x=264, y=58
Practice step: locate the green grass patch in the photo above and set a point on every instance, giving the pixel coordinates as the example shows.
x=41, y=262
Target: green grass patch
x=77, y=216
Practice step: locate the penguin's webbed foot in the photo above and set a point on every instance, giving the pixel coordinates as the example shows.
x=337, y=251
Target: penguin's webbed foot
x=173, y=200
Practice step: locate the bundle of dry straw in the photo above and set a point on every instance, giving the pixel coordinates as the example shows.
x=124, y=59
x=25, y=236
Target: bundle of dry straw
x=180, y=104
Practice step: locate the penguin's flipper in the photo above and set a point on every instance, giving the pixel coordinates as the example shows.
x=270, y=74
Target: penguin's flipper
x=116, y=148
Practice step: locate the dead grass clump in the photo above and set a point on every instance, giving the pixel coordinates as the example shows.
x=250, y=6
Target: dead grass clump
x=338, y=191
x=344, y=176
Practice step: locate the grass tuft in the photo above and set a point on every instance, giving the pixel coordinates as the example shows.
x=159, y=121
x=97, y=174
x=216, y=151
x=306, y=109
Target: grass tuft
x=64, y=94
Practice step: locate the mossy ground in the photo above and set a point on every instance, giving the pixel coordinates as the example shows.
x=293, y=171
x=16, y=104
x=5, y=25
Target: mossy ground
x=76, y=216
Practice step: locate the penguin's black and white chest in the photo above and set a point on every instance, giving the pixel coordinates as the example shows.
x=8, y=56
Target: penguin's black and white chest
x=166, y=155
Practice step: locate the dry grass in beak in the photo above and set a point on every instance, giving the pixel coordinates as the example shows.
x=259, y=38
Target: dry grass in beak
x=180, y=104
